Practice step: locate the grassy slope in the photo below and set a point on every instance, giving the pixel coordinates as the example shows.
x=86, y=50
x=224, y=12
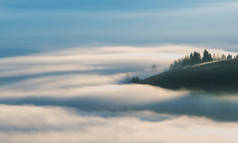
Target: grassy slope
x=217, y=76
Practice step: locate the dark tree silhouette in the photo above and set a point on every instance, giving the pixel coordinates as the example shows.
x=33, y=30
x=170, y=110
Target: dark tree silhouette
x=229, y=57
x=195, y=58
x=207, y=57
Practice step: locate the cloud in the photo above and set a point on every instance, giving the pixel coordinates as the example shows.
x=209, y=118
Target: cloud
x=87, y=97
x=120, y=98
x=50, y=124
x=77, y=96
x=58, y=79
x=98, y=59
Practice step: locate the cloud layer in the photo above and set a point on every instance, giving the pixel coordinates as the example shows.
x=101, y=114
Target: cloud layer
x=50, y=124
x=78, y=95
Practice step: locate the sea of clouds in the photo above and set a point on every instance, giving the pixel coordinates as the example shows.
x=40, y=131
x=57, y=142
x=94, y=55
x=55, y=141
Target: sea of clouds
x=78, y=95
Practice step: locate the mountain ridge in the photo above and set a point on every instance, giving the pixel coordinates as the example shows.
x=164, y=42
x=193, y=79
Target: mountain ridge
x=210, y=76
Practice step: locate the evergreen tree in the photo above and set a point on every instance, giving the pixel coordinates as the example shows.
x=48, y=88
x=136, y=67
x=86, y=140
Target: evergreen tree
x=207, y=57
x=195, y=58
x=229, y=57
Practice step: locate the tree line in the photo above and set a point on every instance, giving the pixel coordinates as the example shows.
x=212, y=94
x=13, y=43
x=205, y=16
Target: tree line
x=196, y=58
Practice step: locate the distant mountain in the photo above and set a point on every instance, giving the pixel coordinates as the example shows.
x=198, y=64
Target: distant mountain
x=217, y=76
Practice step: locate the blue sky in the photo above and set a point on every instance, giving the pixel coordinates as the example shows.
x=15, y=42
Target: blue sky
x=94, y=5
x=28, y=26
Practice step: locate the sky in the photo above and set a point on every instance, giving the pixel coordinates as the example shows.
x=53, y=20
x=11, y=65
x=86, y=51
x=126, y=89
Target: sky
x=30, y=26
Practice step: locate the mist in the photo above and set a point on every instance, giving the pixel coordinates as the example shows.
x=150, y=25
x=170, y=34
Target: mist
x=79, y=95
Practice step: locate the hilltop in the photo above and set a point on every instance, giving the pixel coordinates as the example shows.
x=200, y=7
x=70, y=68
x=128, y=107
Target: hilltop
x=213, y=75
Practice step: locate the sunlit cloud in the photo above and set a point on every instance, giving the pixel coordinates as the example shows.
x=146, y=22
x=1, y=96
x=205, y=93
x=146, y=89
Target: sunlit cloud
x=113, y=59
x=41, y=124
x=80, y=93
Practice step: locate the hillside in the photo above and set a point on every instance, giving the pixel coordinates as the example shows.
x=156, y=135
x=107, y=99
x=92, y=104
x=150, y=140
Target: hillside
x=210, y=76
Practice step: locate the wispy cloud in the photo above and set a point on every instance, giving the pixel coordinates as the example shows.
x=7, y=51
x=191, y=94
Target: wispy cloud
x=49, y=81
x=49, y=124
x=67, y=96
